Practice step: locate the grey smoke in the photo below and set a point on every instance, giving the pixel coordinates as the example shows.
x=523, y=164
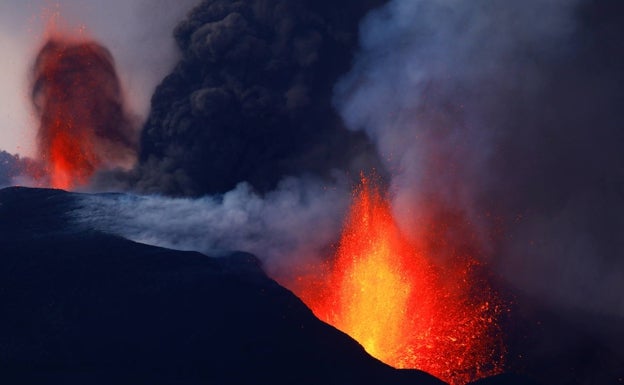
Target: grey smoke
x=290, y=227
x=506, y=113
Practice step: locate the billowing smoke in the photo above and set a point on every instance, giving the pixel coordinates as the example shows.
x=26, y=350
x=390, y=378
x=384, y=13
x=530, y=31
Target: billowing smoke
x=84, y=125
x=250, y=100
x=507, y=115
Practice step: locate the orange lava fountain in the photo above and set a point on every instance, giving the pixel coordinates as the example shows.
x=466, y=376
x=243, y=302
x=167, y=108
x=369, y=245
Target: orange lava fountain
x=78, y=98
x=384, y=292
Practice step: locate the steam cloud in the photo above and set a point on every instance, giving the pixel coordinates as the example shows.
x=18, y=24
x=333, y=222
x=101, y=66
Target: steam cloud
x=509, y=115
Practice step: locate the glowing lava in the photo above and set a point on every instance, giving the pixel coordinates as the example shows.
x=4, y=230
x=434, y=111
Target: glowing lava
x=83, y=122
x=388, y=295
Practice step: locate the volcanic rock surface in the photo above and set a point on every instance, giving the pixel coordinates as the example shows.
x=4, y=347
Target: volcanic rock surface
x=83, y=307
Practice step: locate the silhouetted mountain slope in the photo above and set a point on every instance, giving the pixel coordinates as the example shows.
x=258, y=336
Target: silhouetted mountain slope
x=83, y=307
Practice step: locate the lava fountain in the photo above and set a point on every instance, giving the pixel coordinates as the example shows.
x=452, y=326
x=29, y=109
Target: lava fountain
x=389, y=295
x=83, y=123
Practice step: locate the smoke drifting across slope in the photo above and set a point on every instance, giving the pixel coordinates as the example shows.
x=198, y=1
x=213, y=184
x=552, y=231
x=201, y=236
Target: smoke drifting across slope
x=289, y=228
x=508, y=116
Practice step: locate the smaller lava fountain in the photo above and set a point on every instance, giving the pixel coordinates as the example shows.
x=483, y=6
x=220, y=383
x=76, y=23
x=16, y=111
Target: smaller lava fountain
x=83, y=123
x=385, y=292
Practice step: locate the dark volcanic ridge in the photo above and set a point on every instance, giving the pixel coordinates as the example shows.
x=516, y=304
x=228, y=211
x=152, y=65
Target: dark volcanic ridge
x=86, y=307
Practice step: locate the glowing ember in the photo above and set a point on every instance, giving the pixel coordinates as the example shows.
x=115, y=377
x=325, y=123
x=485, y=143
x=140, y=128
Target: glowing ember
x=84, y=126
x=384, y=292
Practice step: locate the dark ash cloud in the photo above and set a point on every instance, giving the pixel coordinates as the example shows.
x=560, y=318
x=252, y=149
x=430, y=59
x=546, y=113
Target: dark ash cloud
x=250, y=98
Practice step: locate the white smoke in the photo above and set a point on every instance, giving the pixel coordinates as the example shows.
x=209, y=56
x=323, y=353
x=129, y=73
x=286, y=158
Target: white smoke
x=290, y=227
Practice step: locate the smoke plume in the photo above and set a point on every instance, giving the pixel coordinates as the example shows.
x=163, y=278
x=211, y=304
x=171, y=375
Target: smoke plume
x=250, y=100
x=507, y=116
x=84, y=125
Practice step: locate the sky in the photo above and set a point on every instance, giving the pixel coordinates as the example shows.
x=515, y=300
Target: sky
x=137, y=32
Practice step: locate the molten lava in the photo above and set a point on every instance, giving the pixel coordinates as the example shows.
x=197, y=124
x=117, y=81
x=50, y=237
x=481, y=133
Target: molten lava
x=83, y=123
x=386, y=293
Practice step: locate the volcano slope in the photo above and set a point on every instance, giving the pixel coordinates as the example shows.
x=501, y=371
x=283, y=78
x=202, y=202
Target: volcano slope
x=83, y=307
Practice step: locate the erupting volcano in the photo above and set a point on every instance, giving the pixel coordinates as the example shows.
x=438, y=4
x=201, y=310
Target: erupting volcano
x=406, y=310
x=83, y=123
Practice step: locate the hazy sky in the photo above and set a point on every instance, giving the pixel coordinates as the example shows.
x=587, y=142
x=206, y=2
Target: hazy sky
x=137, y=32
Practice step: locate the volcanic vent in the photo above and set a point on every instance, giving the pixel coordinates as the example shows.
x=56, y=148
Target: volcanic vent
x=388, y=293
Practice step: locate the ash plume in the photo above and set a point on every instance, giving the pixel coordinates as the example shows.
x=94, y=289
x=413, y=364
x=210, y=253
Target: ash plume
x=84, y=125
x=509, y=116
x=250, y=99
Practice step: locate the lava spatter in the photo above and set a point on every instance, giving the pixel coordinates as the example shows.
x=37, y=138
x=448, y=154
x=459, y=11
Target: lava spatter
x=384, y=291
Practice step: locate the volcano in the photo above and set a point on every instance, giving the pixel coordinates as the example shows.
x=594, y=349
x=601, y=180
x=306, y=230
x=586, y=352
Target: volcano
x=86, y=306
x=489, y=253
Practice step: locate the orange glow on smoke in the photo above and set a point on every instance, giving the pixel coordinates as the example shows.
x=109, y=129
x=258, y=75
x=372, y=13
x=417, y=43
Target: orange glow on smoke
x=387, y=294
x=84, y=125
